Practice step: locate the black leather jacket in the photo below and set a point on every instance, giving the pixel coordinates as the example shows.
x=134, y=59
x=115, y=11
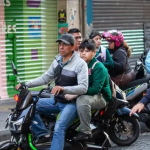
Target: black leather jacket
x=120, y=62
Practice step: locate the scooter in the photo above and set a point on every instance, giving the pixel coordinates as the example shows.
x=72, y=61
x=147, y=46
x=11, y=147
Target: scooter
x=122, y=129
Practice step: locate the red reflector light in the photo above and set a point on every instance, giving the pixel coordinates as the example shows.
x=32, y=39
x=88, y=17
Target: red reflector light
x=102, y=112
x=144, y=94
x=16, y=98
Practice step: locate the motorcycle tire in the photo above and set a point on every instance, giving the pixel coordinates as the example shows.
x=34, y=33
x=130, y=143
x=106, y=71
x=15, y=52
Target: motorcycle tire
x=7, y=146
x=133, y=127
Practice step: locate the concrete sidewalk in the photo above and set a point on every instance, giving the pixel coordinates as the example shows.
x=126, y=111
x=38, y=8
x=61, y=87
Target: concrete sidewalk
x=5, y=106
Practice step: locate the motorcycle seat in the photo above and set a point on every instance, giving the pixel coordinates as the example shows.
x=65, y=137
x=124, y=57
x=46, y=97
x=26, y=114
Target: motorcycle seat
x=43, y=94
x=136, y=82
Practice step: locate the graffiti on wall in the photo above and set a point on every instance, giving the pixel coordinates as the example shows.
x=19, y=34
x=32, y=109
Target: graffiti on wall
x=73, y=13
x=62, y=29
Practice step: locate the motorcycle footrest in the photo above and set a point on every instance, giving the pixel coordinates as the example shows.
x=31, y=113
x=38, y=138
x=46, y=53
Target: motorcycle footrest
x=93, y=147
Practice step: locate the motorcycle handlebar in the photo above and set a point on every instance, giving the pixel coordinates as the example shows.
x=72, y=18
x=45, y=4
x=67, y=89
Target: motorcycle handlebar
x=48, y=89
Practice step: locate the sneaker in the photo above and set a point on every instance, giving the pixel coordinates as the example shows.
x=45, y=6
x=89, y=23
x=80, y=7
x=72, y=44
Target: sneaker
x=43, y=140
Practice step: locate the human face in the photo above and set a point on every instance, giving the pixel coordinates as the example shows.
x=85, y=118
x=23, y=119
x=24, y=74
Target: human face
x=65, y=50
x=97, y=40
x=111, y=45
x=78, y=38
x=87, y=55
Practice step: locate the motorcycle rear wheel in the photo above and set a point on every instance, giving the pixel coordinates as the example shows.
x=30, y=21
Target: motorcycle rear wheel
x=121, y=137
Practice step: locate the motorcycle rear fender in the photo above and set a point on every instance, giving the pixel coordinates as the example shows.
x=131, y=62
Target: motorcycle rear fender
x=125, y=111
x=7, y=145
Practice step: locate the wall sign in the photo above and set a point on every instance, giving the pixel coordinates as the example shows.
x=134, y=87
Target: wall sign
x=5, y=3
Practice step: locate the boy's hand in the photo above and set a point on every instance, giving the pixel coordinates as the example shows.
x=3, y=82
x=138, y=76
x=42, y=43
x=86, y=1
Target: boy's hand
x=137, y=108
x=70, y=97
x=57, y=89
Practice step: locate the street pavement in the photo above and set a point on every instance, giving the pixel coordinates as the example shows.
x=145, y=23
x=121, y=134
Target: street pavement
x=5, y=107
x=142, y=143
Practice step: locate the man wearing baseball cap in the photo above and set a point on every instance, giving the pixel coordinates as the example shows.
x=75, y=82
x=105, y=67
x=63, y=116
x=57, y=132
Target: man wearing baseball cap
x=71, y=77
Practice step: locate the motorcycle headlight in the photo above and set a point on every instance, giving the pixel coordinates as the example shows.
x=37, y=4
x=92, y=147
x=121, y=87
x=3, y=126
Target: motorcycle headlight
x=16, y=125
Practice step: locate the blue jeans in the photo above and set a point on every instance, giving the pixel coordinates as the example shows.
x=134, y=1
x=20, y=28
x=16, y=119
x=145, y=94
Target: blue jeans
x=68, y=114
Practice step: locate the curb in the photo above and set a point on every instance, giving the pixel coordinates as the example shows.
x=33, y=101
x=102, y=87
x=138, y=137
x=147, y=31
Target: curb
x=5, y=135
x=5, y=101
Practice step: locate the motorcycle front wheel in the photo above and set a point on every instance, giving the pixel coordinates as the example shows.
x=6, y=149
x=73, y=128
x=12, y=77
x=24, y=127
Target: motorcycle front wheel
x=8, y=146
x=123, y=137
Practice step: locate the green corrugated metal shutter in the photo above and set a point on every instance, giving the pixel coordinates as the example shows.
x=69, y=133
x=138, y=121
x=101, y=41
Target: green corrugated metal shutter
x=36, y=31
x=135, y=39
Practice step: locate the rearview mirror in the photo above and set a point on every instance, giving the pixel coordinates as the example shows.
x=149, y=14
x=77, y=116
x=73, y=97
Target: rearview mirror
x=14, y=68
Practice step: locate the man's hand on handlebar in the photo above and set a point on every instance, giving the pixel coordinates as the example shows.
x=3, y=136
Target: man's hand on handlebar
x=57, y=89
x=18, y=86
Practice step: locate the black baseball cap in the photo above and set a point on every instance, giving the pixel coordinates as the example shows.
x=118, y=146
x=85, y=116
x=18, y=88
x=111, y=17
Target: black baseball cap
x=67, y=39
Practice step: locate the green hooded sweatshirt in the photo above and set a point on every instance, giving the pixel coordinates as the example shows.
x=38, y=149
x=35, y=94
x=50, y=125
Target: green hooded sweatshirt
x=99, y=80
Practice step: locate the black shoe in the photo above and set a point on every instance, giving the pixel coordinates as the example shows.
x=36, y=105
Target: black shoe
x=43, y=140
x=82, y=136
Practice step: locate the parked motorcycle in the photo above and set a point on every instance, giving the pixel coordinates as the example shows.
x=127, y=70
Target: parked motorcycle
x=122, y=129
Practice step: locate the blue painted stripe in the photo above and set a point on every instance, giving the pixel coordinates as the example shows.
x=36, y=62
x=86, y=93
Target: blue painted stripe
x=89, y=12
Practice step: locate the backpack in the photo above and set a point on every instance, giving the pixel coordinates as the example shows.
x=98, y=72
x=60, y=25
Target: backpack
x=110, y=109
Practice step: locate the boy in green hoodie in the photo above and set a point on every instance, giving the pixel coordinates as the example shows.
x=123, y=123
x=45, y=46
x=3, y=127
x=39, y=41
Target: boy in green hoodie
x=98, y=93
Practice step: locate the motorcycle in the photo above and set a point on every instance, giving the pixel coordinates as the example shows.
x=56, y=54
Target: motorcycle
x=118, y=125
x=136, y=89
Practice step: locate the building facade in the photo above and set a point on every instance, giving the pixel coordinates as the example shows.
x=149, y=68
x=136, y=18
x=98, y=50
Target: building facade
x=28, y=31
x=132, y=17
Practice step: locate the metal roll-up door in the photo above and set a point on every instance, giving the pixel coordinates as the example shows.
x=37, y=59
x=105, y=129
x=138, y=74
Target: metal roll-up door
x=128, y=16
x=122, y=15
x=32, y=44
